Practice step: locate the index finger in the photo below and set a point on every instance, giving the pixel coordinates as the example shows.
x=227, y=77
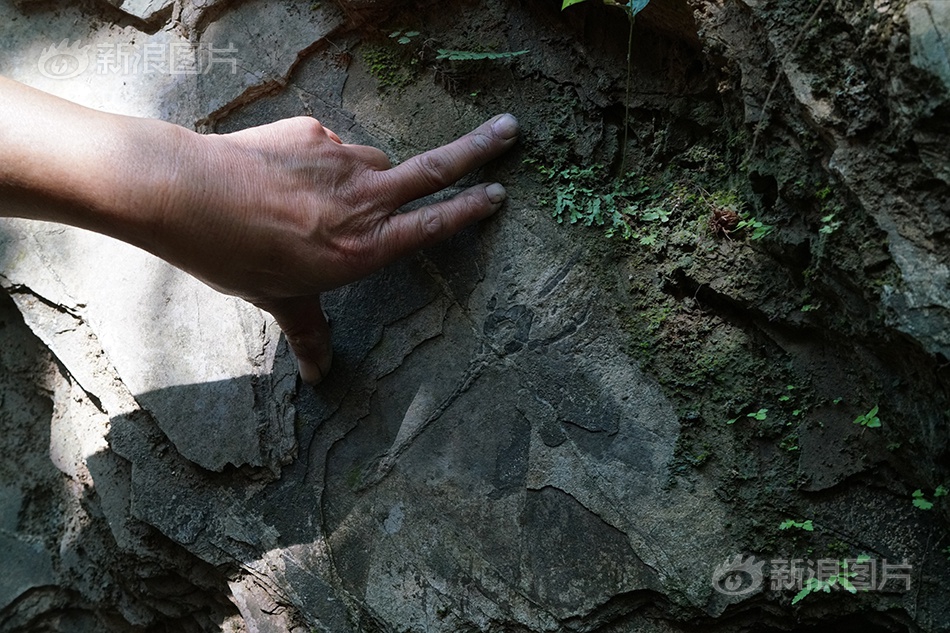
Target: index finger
x=436, y=169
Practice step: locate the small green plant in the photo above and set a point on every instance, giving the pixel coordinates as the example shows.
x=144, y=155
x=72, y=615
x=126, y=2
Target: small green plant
x=809, y=307
x=470, y=56
x=632, y=6
x=841, y=579
x=829, y=225
x=828, y=222
x=579, y=200
x=789, y=443
x=390, y=66
x=806, y=525
x=404, y=37
x=760, y=415
x=920, y=500
x=869, y=420
x=756, y=229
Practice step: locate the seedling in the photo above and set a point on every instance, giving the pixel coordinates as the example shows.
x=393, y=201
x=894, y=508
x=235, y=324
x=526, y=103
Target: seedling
x=759, y=415
x=755, y=228
x=841, y=579
x=469, y=56
x=404, y=37
x=632, y=8
x=921, y=501
x=790, y=443
x=801, y=525
x=829, y=225
x=869, y=420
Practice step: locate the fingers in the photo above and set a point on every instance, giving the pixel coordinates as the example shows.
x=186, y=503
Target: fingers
x=375, y=158
x=308, y=334
x=429, y=225
x=438, y=168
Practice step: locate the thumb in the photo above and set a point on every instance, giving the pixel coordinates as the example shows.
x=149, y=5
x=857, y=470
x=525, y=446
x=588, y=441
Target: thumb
x=308, y=334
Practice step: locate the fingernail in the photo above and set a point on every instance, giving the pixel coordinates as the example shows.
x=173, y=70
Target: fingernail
x=309, y=372
x=496, y=193
x=505, y=126
x=314, y=373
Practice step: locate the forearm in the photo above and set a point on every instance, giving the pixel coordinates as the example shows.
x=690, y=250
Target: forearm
x=64, y=163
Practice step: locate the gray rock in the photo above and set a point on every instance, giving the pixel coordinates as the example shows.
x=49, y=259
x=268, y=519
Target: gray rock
x=929, y=22
x=145, y=9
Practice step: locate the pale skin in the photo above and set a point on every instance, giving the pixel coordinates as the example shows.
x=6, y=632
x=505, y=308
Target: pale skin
x=275, y=214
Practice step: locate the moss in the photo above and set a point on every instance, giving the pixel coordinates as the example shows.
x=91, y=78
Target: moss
x=392, y=68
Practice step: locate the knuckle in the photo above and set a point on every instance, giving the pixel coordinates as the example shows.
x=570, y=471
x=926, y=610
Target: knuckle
x=310, y=128
x=355, y=254
x=431, y=224
x=481, y=142
x=432, y=167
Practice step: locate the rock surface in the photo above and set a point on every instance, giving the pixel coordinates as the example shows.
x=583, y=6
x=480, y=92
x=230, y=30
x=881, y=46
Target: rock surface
x=531, y=427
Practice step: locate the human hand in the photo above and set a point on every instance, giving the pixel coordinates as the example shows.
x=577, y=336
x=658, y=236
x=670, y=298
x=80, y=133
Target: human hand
x=280, y=213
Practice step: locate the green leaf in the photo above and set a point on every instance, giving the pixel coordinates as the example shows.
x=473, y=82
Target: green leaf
x=923, y=504
x=636, y=6
x=801, y=595
x=941, y=491
x=569, y=3
x=404, y=40
x=465, y=56
x=806, y=525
